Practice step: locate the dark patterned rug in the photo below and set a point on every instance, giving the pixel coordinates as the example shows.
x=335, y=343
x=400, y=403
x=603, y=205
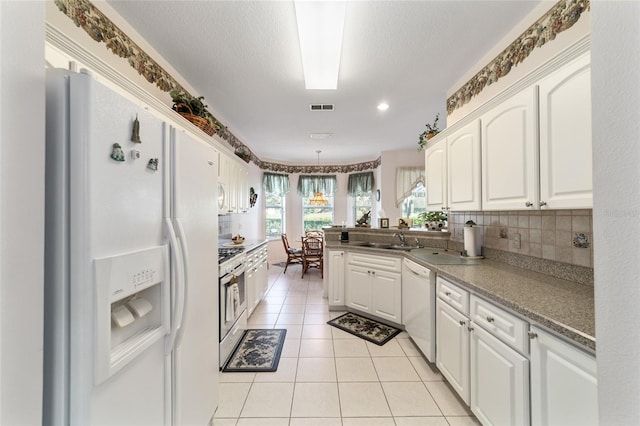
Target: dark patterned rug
x=257, y=351
x=365, y=328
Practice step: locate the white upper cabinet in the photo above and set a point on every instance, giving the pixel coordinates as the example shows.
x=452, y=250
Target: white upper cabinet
x=510, y=153
x=463, y=168
x=435, y=162
x=452, y=170
x=565, y=137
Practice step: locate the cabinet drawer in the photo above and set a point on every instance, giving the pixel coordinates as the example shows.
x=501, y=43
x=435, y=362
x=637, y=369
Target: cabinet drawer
x=505, y=326
x=453, y=295
x=386, y=263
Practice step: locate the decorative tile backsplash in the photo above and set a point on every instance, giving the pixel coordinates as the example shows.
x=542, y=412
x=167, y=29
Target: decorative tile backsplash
x=224, y=226
x=561, y=235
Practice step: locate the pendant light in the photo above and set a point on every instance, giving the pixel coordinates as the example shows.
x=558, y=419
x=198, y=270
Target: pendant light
x=318, y=199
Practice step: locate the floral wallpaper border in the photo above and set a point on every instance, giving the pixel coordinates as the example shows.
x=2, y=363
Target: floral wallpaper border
x=100, y=28
x=559, y=18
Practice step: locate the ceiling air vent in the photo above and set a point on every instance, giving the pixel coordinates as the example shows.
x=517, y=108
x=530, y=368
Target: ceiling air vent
x=321, y=107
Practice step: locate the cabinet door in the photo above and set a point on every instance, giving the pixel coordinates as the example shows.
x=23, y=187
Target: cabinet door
x=463, y=168
x=224, y=174
x=510, y=177
x=262, y=280
x=564, y=387
x=565, y=137
x=358, y=288
x=435, y=163
x=251, y=288
x=334, y=278
x=499, y=381
x=452, y=348
x=243, y=189
x=387, y=295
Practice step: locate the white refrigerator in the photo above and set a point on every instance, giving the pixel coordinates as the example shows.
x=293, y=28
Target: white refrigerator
x=131, y=279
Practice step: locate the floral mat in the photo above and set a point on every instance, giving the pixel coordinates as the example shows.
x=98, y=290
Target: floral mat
x=365, y=328
x=258, y=351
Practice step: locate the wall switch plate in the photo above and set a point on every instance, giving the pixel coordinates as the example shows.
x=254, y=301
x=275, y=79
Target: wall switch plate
x=515, y=243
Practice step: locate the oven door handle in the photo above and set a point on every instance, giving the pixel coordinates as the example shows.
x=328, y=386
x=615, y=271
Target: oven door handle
x=182, y=239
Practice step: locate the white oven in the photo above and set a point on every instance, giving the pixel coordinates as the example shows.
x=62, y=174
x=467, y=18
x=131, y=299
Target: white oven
x=233, y=304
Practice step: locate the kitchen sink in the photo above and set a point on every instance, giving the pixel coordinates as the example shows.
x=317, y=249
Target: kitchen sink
x=402, y=247
x=375, y=245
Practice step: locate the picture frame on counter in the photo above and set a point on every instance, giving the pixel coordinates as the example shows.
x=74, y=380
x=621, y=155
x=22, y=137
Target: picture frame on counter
x=383, y=222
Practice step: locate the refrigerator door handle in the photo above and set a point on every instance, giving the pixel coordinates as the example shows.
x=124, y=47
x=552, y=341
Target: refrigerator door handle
x=185, y=283
x=178, y=305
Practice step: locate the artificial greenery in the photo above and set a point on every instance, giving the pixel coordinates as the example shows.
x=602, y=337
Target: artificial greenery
x=197, y=105
x=432, y=130
x=437, y=216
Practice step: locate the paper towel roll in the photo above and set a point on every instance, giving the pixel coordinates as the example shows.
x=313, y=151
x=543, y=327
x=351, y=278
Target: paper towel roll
x=472, y=243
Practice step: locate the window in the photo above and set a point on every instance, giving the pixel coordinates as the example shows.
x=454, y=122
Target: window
x=361, y=205
x=275, y=214
x=415, y=204
x=275, y=187
x=316, y=217
x=360, y=186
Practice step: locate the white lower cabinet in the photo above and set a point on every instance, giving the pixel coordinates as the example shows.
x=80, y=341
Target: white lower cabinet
x=499, y=381
x=452, y=347
x=373, y=284
x=256, y=278
x=334, y=277
x=564, y=387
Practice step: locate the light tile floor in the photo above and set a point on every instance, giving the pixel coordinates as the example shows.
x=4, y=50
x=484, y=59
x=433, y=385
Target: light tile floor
x=328, y=377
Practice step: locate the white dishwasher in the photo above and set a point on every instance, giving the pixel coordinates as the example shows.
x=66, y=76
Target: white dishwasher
x=419, y=306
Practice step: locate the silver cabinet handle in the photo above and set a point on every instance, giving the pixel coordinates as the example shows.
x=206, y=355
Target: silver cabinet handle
x=532, y=335
x=543, y=203
x=490, y=319
x=528, y=204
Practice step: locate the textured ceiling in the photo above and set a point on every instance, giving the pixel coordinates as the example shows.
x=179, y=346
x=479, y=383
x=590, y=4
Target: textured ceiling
x=243, y=57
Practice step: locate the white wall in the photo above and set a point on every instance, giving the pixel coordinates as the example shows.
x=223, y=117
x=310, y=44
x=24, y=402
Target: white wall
x=21, y=211
x=615, y=76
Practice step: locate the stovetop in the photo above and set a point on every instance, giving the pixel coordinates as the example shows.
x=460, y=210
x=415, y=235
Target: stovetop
x=226, y=253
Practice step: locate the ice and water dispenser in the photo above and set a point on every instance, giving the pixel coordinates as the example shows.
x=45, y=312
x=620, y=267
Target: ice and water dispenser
x=132, y=307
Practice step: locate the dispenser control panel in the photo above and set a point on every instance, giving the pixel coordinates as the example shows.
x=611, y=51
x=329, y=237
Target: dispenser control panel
x=130, y=273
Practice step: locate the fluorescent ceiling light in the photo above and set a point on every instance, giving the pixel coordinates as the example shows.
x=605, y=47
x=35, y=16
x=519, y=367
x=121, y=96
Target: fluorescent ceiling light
x=320, y=28
x=383, y=106
x=320, y=135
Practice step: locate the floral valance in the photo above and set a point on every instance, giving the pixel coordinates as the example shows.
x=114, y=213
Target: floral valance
x=309, y=185
x=406, y=180
x=275, y=184
x=360, y=183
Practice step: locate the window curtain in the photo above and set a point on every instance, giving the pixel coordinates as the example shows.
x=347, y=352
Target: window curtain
x=309, y=185
x=360, y=183
x=406, y=180
x=275, y=184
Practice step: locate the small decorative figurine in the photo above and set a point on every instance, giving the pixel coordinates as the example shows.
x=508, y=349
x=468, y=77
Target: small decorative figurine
x=363, y=222
x=117, y=153
x=402, y=224
x=152, y=164
x=253, y=197
x=135, y=134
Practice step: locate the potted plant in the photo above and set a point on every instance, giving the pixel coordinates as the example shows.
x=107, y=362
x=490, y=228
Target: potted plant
x=244, y=153
x=195, y=110
x=433, y=221
x=432, y=130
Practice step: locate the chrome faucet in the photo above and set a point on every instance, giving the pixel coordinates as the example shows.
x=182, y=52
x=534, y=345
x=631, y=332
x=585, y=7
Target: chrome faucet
x=401, y=236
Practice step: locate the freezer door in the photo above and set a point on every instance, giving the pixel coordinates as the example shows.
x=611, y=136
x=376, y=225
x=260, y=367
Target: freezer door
x=104, y=208
x=195, y=217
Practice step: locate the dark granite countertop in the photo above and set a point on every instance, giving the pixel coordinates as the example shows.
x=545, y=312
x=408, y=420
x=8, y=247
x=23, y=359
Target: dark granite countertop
x=562, y=306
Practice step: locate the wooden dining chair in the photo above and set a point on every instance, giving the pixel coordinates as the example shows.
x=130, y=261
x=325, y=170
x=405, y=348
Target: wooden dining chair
x=294, y=255
x=312, y=254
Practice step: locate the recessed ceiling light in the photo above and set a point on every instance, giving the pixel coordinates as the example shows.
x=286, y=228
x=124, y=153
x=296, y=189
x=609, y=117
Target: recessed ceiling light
x=383, y=106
